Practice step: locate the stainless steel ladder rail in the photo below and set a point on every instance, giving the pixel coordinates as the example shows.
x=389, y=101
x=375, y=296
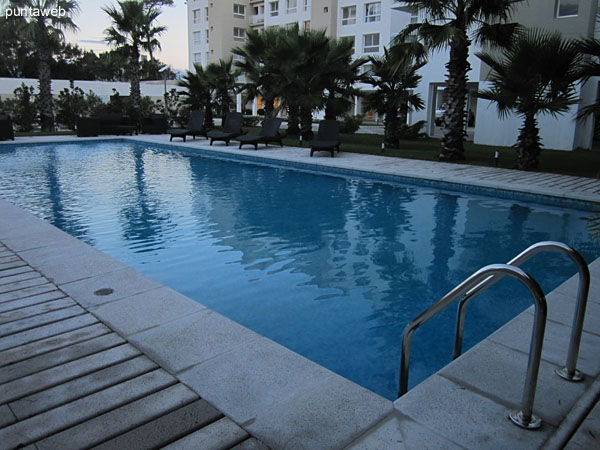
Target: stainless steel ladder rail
x=569, y=372
x=524, y=417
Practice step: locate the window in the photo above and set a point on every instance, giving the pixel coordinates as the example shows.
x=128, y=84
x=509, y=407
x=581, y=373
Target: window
x=197, y=37
x=198, y=57
x=373, y=12
x=306, y=25
x=352, y=39
x=237, y=57
x=206, y=32
x=349, y=15
x=239, y=11
x=207, y=57
x=371, y=43
x=306, y=5
x=414, y=16
x=292, y=6
x=206, y=13
x=567, y=8
x=197, y=16
x=274, y=9
x=239, y=34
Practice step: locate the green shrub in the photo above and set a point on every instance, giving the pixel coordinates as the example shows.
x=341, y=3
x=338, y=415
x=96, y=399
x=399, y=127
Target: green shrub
x=413, y=131
x=25, y=108
x=93, y=104
x=351, y=124
x=251, y=121
x=70, y=104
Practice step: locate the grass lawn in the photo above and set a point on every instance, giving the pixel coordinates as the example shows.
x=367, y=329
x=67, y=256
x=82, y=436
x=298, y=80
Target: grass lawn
x=583, y=163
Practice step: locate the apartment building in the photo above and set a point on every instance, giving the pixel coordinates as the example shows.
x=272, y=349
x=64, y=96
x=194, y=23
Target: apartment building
x=216, y=26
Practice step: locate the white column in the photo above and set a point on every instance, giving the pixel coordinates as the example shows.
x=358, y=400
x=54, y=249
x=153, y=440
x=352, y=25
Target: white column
x=356, y=105
x=238, y=102
x=255, y=107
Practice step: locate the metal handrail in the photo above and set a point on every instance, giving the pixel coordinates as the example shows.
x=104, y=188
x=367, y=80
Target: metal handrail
x=525, y=417
x=569, y=372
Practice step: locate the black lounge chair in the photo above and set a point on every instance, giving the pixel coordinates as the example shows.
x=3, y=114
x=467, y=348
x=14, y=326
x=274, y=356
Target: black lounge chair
x=328, y=138
x=269, y=132
x=232, y=128
x=195, y=127
x=6, y=127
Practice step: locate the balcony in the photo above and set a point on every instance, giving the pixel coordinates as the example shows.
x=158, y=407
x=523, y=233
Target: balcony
x=257, y=19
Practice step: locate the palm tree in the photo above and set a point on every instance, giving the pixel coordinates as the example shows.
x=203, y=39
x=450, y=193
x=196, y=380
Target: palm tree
x=198, y=93
x=535, y=75
x=341, y=73
x=590, y=67
x=455, y=24
x=394, y=76
x=221, y=77
x=260, y=65
x=45, y=33
x=133, y=30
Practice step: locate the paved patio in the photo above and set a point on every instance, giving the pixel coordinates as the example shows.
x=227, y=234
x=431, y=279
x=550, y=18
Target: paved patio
x=64, y=347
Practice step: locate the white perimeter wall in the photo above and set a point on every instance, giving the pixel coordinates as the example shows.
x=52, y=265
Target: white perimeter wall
x=104, y=89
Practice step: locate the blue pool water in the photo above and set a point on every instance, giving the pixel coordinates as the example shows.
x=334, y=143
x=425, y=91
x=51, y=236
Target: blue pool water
x=331, y=267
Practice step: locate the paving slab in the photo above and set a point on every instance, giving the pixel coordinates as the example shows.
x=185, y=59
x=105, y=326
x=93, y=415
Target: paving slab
x=6, y=416
x=80, y=387
x=41, y=308
x=30, y=301
x=148, y=309
x=120, y=420
x=12, y=265
x=8, y=259
x=13, y=279
x=587, y=436
x=27, y=292
x=165, y=429
x=479, y=423
x=499, y=373
x=219, y=435
x=56, y=328
x=124, y=283
x=285, y=399
x=556, y=342
x=61, y=356
x=42, y=346
x=190, y=340
x=73, y=413
x=250, y=444
x=15, y=271
x=399, y=432
x=19, y=326
x=65, y=372
x=18, y=285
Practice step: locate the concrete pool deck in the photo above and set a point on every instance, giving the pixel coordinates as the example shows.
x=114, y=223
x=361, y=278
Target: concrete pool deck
x=263, y=389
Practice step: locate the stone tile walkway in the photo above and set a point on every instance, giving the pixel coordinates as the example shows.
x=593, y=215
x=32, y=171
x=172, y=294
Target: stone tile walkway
x=67, y=381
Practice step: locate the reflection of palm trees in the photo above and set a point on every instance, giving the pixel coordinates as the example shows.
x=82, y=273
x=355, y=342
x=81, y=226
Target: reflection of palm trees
x=442, y=243
x=59, y=215
x=144, y=219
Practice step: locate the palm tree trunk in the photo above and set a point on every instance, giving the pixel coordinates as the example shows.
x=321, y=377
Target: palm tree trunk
x=45, y=98
x=306, y=123
x=208, y=115
x=452, y=144
x=402, y=123
x=293, y=123
x=528, y=144
x=268, y=105
x=330, y=113
x=391, y=126
x=135, y=96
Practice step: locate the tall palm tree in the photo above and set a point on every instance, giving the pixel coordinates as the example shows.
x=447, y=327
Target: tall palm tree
x=221, y=77
x=45, y=33
x=535, y=75
x=393, y=76
x=133, y=30
x=455, y=24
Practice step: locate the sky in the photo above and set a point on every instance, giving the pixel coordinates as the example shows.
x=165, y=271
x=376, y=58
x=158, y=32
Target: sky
x=92, y=22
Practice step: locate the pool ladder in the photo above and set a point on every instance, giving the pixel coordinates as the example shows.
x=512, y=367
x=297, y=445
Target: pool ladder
x=482, y=280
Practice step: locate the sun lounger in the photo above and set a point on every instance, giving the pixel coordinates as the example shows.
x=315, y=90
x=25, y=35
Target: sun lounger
x=6, y=127
x=195, y=127
x=269, y=132
x=328, y=137
x=232, y=128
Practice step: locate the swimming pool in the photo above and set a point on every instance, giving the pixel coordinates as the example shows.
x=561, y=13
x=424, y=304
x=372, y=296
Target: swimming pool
x=330, y=266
